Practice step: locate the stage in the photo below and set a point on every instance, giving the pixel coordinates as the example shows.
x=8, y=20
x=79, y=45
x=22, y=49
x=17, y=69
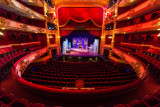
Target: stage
x=80, y=52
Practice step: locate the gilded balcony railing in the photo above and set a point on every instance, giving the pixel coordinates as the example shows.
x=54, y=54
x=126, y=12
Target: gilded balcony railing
x=16, y=7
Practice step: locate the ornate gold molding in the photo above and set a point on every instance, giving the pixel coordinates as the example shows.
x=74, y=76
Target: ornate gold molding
x=24, y=26
x=153, y=3
x=131, y=12
x=23, y=64
x=40, y=30
x=3, y=22
x=136, y=67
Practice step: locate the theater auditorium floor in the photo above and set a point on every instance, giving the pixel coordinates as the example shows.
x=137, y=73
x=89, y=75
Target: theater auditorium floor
x=10, y=85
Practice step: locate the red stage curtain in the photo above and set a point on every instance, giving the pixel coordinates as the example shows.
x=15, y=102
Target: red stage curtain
x=95, y=32
x=97, y=15
x=63, y=15
x=80, y=14
x=65, y=32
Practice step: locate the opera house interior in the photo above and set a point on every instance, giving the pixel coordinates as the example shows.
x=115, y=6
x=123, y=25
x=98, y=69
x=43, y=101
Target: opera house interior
x=79, y=53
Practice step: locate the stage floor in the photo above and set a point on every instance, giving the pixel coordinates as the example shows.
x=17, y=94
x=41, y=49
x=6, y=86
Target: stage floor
x=76, y=53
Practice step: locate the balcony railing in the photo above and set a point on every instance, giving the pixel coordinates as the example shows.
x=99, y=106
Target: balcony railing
x=37, y=3
x=144, y=8
x=16, y=7
x=13, y=25
x=153, y=25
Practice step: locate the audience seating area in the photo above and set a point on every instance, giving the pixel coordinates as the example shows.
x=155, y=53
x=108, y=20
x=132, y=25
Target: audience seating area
x=96, y=75
x=9, y=55
x=150, y=56
x=9, y=100
x=147, y=101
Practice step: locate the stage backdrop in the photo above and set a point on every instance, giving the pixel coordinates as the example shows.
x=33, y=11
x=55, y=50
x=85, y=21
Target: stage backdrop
x=82, y=34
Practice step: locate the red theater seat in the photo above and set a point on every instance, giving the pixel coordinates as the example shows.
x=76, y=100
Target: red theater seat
x=120, y=105
x=137, y=103
x=37, y=105
x=8, y=98
x=151, y=100
x=19, y=103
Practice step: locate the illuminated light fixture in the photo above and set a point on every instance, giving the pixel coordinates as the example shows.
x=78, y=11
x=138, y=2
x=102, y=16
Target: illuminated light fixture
x=159, y=29
x=3, y=28
x=128, y=17
x=109, y=37
x=124, y=33
x=1, y=33
x=35, y=32
x=32, y=16
x=158, y=35
x=50, y=36
x=131, y=0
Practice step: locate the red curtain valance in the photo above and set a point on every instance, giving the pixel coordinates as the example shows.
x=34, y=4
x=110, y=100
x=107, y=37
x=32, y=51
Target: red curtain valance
x=93, y=32
x=80, y=15
x=65, y=32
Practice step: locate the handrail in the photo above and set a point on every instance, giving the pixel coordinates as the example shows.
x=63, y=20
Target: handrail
x=139, y=67
x=20, y=66
x=11, y=45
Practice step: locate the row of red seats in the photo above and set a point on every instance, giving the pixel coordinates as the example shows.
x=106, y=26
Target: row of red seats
x=147, y=101
x=150, y=57
x=10, y=100
x=56, y=71
x=9, y=55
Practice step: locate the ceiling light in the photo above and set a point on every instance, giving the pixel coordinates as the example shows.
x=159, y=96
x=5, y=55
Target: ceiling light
x=159, y=29
x=3, y=28
x=158, y=35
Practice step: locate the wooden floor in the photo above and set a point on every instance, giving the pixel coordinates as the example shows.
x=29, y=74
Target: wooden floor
x=11, y=86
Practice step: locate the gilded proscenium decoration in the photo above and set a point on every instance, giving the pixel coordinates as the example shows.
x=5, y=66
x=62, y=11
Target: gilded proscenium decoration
x=3, y=22
x=136, y=67
x=23, y=64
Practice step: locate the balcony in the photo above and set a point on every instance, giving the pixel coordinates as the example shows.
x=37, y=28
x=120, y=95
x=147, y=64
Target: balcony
x=16, y=7
x=37, y=3
x=152, y=25
x=13, y=25
x=144, y=8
